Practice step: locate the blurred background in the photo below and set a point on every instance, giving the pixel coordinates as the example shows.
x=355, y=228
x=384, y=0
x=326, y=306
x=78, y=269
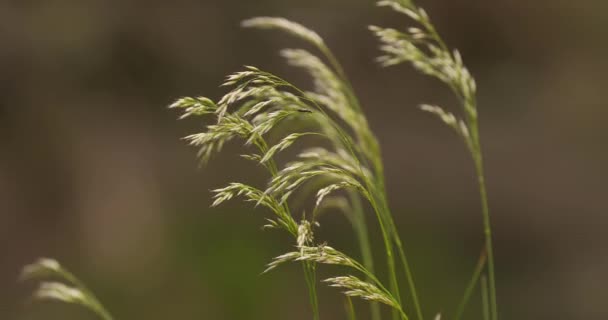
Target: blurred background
x=93, y=172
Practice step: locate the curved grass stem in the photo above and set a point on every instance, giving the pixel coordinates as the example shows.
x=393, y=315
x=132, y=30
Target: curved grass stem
x=481, y=263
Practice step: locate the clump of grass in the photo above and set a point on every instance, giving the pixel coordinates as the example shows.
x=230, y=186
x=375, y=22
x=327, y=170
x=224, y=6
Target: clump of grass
x=346, y=171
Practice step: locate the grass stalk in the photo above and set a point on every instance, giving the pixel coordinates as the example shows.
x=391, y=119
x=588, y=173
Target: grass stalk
x=405, y=264
x=487, y=226
x=350, y=309
x=485, y=304
x=311, y=283
x=361, y=233
x=409, y=278
x=308, y=267
x=472, y=284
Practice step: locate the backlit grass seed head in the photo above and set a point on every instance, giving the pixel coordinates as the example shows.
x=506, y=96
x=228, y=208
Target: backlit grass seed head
x=305, y=234
x=250, y=193
x=285, y=25
x=425, y=50
x=217, y=135
x=324, y=192
x=329, y=89
x=333, y=93
x=339, y=203
x=450, y=120
x=258, y=106
x=285, y=143
x=290, y=178
x=403, y=6
x=60, y=292
x=282, y=145
x=272, y=119
x=355, y=287
x=194, y=106
x=339, y=158
x=321, y=254
x=44, y=267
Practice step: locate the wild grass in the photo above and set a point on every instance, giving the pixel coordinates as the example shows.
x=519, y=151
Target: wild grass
x=345, y=170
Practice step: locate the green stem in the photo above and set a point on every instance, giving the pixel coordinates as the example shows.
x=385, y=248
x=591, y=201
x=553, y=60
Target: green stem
x=488, y=236
x=99, y=309
x=487, y=226
x=397, y=239
x=386, y=215
x=388, y=243
x=408, y=275
x=309, y=268
x=394, y=284
x=484, y=298
x=360, y=228
x=350, y=309
x=472, y=284
x=310, y=276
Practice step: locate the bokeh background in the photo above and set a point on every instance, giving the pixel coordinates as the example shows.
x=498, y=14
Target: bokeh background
x=92, y=171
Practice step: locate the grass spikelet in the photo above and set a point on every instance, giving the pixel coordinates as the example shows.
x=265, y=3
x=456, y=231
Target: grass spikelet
x=285, y=25
x=451, y=121
x=194, y=106
x=355, y=287
x=217, y=135
x=282, y=145
x=42, y=268
x=305, y=234
x=251, y=194
x=56, y=291
x=324, y=192
x=402, y=6
x=322, y=254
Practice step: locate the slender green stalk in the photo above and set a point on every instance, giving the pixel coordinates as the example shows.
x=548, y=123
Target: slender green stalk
x=405, y=263
x=360, y=227
x=309, y=267
x=97, y=306
x=311, y=282
x=99, y=309
x=472, y=284
x=410, y=279
x=388, y=244
x=487, y=227
x=350, y=309
x=397, y=239
x=485, y=304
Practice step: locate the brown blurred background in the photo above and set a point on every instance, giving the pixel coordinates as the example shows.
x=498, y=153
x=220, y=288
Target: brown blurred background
x=92, y=171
